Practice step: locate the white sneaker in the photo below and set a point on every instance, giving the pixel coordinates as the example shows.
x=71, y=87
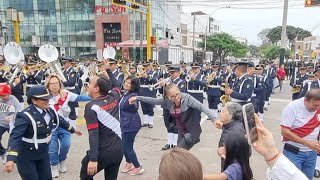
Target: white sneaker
x=55, y=171
x=63, y=166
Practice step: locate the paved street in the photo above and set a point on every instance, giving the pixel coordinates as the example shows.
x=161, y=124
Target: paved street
x=149, y=142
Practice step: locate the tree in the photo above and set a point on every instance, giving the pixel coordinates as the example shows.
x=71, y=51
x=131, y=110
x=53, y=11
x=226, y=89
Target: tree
x=263, y=36
x=293, y=33
x=224, y=44
x=272, y=51
x=254, y=50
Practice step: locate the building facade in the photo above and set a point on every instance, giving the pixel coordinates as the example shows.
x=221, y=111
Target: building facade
x=66, y=24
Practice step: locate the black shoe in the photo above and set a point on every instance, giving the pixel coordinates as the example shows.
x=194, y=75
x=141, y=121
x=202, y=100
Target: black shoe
x=150, y=126
x=166, y=147
x=316, y=173
x=265, y=109
x=173, y=146
x=219, y=111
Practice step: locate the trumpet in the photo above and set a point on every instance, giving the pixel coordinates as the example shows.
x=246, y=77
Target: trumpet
x=210, y=78
x=225, y=98
x=158, y=84
x=296, y=89
x=126, y=73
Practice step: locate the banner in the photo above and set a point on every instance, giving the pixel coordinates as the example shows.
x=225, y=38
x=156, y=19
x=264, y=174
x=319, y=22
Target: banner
x=112, y=32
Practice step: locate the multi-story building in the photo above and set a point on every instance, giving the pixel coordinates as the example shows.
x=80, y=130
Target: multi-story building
x=310, y=47
x=66, y=24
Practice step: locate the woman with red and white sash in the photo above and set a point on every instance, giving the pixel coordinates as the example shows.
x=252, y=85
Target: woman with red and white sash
x=61, y=139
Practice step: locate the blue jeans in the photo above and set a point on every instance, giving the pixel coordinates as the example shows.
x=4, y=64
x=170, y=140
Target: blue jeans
x=304, y=160
x=59, y=146
x=127, y=144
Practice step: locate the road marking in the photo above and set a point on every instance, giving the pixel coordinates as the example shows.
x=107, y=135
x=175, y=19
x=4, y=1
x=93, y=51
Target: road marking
x=280, y=100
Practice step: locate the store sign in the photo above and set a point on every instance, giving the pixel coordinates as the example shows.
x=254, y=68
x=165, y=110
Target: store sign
x=112, y=9
x=112, y=32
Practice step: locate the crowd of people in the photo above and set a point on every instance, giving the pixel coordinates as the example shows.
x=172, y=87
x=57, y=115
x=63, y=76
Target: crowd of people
x=40, y=134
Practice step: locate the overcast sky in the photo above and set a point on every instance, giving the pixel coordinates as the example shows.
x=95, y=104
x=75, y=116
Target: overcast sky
x=246, y=18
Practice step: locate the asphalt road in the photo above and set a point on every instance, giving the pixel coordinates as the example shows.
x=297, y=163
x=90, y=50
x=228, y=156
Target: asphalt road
x=149, y=142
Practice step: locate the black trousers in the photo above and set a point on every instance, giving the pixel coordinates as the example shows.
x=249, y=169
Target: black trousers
x=213, y=102
x=187, y=141
x=34, y=169
x=107, y=161
x=295, y=96
x=147, y=109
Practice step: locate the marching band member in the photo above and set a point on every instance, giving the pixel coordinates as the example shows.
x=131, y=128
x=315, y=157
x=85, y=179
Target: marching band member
x=17, y=86
x=172, y=138
x=184, y=71
x=28, y=143
x=70, y=85
x=242, y=88
x=164, y=73
x=34, y=76
x=9, y=106
x=60, y=138
x=315, y=84
x=196, y=84
x=259, y=92
x=148, y=77
x=213, y=89
x=297, y=81
x=133, y=70
x=114, y=68
x=4, y=71
x=271, y=75
x=181, y=107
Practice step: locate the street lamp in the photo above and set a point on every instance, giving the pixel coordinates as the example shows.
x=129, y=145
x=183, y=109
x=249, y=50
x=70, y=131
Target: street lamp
x=205, y=36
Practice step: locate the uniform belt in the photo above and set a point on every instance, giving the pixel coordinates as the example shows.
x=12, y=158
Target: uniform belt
x=238, y=100
x=254, y=95
x=31, y=85
x=144, y=86
x=195, y=91
x=70, y=88
x=214, y=86
x=39, y=141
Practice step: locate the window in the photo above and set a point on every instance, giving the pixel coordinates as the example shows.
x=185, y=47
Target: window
x=178, y=29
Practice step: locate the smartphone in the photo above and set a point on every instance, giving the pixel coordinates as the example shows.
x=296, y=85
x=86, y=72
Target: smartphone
x=249, y=123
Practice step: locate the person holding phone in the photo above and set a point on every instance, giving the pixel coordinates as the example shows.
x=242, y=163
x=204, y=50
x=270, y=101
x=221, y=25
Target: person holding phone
x=181, y=107
x=300, y=129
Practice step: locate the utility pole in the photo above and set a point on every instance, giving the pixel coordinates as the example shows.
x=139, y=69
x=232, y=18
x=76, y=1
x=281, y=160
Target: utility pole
x=141, y=37
x=284, y=32
x=205, y=43
x=134, y=37
x=193, y=39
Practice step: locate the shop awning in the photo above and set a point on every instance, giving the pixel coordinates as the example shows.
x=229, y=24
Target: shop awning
x=129, y=43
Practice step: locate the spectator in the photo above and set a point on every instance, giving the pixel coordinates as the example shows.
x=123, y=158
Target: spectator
x=300, y=130
x=230, y=121
x=281, y=75
x=236, y=154
x=179, y=164
x=130, y=124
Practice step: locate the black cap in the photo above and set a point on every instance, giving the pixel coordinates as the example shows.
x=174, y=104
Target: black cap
x=195, y=65
x=215, y=64
x=168, y=63
x=242, y=63
x=182, y=63
x=316, y=69
x=94, y=59
x=146, y=63
x=66, y=58
x=39, y=91
x=303, y=68
x=259, y=67
x=175, y=67
x=112, y=61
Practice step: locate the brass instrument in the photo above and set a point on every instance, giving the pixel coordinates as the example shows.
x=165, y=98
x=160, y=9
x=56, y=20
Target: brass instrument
x=126, y=73
x=158, y=84
x=296, y=89
x=210, y=78
x=188, y=77
x=225, y=98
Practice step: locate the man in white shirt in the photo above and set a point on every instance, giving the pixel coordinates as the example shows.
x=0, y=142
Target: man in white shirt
x=300, y=122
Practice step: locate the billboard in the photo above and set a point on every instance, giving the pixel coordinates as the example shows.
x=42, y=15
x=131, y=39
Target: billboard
x=112, y=32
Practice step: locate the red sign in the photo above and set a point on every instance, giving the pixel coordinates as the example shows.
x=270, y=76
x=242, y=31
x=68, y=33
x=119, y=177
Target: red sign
x=113, y=9
x=110, y=44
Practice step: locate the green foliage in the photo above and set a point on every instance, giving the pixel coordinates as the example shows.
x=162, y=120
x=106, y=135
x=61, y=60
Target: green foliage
x=224, y=44
x=274, y=35
x=254, y=50
x=271, y=52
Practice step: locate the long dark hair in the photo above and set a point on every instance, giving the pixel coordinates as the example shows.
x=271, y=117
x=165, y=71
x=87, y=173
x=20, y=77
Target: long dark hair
x=237, y=150
x=135, y=84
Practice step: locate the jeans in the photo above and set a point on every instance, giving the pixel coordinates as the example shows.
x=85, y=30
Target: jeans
x=127, y=144
x=59, y=146
x=304, y=160
x=2, y=131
